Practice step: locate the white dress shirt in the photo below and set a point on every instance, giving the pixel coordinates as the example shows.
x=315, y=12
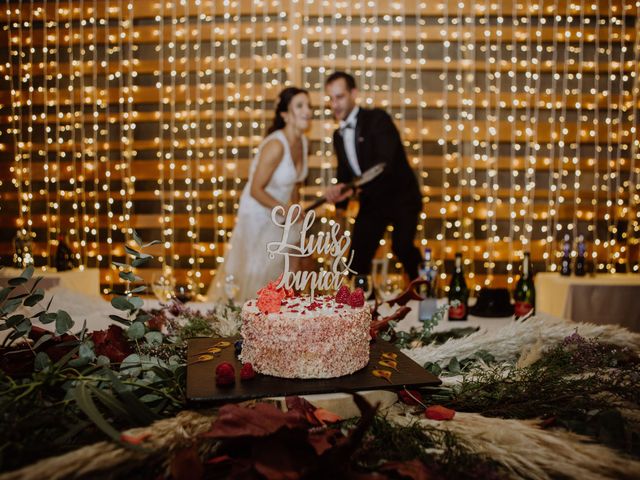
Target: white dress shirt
x=349, y=140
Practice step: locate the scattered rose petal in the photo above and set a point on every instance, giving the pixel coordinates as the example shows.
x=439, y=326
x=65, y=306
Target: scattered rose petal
x=438, y=412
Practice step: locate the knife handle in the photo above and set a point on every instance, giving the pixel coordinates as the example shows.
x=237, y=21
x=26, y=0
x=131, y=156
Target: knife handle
x=323, y=199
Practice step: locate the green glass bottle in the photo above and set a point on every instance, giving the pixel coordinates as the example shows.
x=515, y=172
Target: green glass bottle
x=458, y=291
x=525, y=292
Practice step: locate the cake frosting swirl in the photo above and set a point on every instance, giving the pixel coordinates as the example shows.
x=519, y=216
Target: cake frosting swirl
x=306, y=339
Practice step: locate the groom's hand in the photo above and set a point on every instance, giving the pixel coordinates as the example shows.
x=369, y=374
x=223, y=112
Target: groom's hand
x=334, y=193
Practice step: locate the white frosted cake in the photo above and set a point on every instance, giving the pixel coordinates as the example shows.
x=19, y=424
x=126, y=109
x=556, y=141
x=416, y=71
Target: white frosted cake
x=302, y=339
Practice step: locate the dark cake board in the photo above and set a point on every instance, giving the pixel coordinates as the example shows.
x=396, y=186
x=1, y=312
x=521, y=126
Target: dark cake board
x=202, y=388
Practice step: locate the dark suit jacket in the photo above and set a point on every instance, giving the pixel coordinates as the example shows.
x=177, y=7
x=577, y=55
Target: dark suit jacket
x=378, y=141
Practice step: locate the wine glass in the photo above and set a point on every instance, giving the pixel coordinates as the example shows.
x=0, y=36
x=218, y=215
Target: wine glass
x=162, y=286
x=391, y=287
x=231, y=287
x=363, y=282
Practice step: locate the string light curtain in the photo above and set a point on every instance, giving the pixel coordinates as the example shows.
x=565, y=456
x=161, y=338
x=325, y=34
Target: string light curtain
x=520, y=120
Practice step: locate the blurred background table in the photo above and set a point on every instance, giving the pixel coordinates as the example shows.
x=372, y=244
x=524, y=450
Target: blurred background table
x=85, y=281
x=601, y=298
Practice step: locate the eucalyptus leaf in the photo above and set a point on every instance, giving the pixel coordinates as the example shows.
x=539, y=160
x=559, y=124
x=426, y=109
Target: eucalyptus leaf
x=103, y=360
x=24, y=326
x=34, y=298
x=132, y=252
x=454, y=366
x=86, y=351
x=129, y=276
x=138, y=262
x=121, y=320
x=28, y=272
x=47, y=317
x=4, y=293
x=131, y=365
x=13, y=320
x=139, y=289
x=10, y=306
x=63, y=322
x=35, y=284
x=120, y=264
x=143, y=317
x=136, y=331
x=137, y=302
x=121, y=303
x=41, y=340
x=41, y=361
x=152, y=242
x=153, y=338
x=137, y=239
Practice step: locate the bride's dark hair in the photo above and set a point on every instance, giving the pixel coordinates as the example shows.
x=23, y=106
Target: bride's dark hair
x=284, y=99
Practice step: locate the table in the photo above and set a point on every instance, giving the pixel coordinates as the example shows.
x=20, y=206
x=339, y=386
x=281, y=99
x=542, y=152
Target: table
x=601, y=298
x=85, y=281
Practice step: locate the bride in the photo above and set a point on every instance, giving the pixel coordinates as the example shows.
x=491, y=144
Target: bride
x=275, y=177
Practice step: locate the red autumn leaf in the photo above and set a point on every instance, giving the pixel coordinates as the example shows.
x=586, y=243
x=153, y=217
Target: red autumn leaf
x=325, y=416
x=186, y=464
x=438, y=412
x=263, y=419
x=414, y=469
x=134, y=439
x=217, y=460
x=323, y=440
x=378, y=325
x=409, y=294
x=284, y=455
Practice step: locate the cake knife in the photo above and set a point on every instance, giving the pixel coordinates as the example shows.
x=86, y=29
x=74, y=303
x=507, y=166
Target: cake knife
x=366, y=177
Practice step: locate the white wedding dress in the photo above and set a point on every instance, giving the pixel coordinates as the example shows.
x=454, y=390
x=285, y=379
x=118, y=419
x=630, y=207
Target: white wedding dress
x=246, y=258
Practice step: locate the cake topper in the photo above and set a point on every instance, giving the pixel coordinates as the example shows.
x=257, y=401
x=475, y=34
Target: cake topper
x=332, y=244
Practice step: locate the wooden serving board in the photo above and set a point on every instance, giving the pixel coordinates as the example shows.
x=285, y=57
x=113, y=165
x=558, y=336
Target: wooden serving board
x=201, y=381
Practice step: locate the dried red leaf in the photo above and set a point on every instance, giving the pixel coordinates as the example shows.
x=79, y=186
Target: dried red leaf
x=186, y=464
x=438, y=412
x=325, y=416
x=414, y=469
x=111, y=343
x=263, y=419
x=134, y=439
x=411, y=397
x=409, y=294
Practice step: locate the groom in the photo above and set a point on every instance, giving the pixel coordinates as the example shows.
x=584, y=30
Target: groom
x=365, y=138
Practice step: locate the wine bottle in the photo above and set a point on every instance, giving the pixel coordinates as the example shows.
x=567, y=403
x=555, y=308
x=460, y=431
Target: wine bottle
x=580, y=269
x=429, y=305
x=458, y=291
x=525, y=292
x=565, y=265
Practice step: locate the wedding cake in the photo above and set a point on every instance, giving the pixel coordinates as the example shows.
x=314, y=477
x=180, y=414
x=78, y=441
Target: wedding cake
x=321, y=338
x=306, y=336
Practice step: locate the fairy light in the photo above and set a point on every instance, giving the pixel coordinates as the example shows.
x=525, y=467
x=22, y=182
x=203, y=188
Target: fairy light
x=595, y=133
x=609, y=51
x=281, y=42
x=632, y=212
x=446, y=135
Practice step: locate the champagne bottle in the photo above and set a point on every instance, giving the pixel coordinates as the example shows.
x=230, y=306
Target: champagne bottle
x=429, y=305
x=458, y=291
x=565, y=265
x=580, y=269
x=525, y=293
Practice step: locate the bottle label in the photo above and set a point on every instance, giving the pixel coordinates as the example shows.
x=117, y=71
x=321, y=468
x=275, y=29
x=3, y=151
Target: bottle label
x=458, y=313
x=522, y=308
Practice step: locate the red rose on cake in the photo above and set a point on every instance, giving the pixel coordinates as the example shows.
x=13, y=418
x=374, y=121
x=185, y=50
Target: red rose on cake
x=270, y=297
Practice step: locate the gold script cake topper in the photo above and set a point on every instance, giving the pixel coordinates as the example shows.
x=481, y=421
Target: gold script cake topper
x=332, y=244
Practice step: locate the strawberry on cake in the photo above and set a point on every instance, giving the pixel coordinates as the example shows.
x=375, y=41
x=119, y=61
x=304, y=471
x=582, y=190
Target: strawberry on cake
x=296, y=337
